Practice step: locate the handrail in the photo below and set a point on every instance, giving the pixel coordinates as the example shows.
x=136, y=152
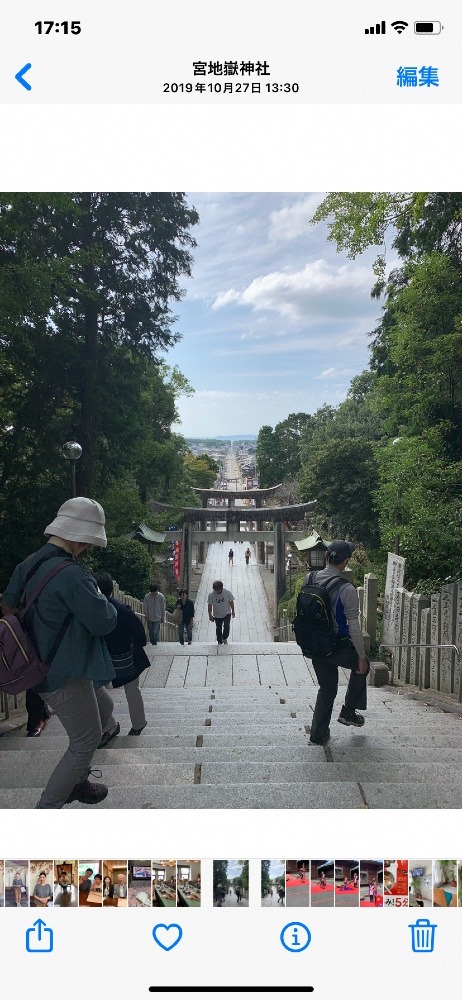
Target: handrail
x=422, y=645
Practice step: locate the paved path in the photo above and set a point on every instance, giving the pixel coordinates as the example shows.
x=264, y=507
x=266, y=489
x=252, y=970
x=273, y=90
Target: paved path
x=228, y=727
x=231, y=730
x=231, y=900
x=252, y=621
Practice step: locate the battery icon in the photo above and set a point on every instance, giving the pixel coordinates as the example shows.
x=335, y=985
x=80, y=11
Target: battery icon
x=427, y=27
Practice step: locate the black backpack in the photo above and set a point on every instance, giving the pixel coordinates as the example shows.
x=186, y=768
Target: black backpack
x=313, y=624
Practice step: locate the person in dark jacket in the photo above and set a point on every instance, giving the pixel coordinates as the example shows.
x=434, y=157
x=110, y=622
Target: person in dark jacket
x=125, y=647
x=187, y=609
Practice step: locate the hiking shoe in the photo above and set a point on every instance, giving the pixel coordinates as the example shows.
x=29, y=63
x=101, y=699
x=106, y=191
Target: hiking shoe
x=88, y=792
x=107, y=737
x=137, y=732
x=353, y=719
x=321, y=742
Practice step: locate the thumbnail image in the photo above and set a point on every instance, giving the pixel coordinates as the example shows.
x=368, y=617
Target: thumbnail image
x=395, y=883
x=139, y=883
x=66, y=881
x=445, y=883
x=41, y=883
x=297, y=883
x=2, y=883
x=322, y=883
x=188, y=877
x=347, y=883
x=115, y=888
x=273, y=879
x=230, y=883
x=371, y=883
x=164, y=883
x=16, y=883
x=90, y=883
x=420, y=883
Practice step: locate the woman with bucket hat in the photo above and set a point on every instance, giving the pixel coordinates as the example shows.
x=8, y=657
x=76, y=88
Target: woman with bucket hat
x=70, y=607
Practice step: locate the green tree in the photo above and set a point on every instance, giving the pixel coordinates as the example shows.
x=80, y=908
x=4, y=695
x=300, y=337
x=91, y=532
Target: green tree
x=220, y=875
x=342, y=477
x=265, y=876
x=423, y=340
x=244, y=876
x=202, y=470
x=418, y=223
x=86, y=284
x=127, y=561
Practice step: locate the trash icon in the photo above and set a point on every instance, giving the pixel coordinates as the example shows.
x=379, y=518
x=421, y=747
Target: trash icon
x=423, y=935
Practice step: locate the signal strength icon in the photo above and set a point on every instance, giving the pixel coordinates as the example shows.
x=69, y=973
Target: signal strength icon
x=378, y=29
x=399, y=26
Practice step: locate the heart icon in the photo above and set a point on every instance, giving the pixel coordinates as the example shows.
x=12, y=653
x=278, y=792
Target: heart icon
x=167, y=935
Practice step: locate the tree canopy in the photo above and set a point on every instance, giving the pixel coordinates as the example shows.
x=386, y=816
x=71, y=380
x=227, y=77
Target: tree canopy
x=386, y=464
x=87, y=281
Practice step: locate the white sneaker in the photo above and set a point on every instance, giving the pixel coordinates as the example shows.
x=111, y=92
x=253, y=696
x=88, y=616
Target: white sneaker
x=225, y=642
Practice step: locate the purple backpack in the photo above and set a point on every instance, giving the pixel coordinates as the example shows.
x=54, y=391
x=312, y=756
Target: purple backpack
x=20, y=665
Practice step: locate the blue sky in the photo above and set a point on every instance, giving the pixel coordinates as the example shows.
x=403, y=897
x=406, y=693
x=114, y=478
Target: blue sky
x=234, y=869
x=277, y=868
x=274, y=320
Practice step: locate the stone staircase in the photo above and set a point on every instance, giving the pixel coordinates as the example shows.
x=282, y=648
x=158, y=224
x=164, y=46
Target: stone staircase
x=229, y=728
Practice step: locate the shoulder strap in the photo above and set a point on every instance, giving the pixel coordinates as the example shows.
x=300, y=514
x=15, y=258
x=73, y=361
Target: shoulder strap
x=46, y=579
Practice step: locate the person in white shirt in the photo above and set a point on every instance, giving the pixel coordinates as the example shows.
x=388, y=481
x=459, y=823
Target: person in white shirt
x=221, y=609
x=154, y=611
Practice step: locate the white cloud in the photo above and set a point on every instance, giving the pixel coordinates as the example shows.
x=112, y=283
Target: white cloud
x=319, y=291
x=293, y=220
x=216, y=394
x=224, y=298
x=334, y=372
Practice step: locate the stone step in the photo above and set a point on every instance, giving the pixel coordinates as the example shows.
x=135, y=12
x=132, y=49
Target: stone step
x=304, y=795
x=303, y=752
x=242, y=774
x=121, y=777
x=157, y=720
x=316, y=795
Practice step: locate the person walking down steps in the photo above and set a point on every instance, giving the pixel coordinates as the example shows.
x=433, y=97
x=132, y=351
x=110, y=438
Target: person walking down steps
x=71, y=607
x=230, y=557
x=348, y=651
x=126, y=649
x=221, y=609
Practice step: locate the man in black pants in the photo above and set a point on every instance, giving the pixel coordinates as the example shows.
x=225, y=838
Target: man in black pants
x=220, y=608
x=348, y=651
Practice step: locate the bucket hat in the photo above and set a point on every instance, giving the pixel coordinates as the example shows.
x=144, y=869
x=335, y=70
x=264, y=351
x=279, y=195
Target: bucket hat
x=79, y=520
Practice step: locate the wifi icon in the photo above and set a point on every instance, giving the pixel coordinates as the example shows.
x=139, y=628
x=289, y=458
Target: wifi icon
x=399, y=26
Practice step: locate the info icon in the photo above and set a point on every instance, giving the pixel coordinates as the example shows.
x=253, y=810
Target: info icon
x=295, y=936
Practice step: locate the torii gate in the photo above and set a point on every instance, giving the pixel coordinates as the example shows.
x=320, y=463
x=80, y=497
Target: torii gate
x=195, y=529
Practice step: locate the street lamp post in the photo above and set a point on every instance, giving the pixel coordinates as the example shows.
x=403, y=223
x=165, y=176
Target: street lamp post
x=72, y=451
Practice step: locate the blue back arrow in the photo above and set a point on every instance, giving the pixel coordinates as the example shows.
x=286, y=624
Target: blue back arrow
x=19, y=76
